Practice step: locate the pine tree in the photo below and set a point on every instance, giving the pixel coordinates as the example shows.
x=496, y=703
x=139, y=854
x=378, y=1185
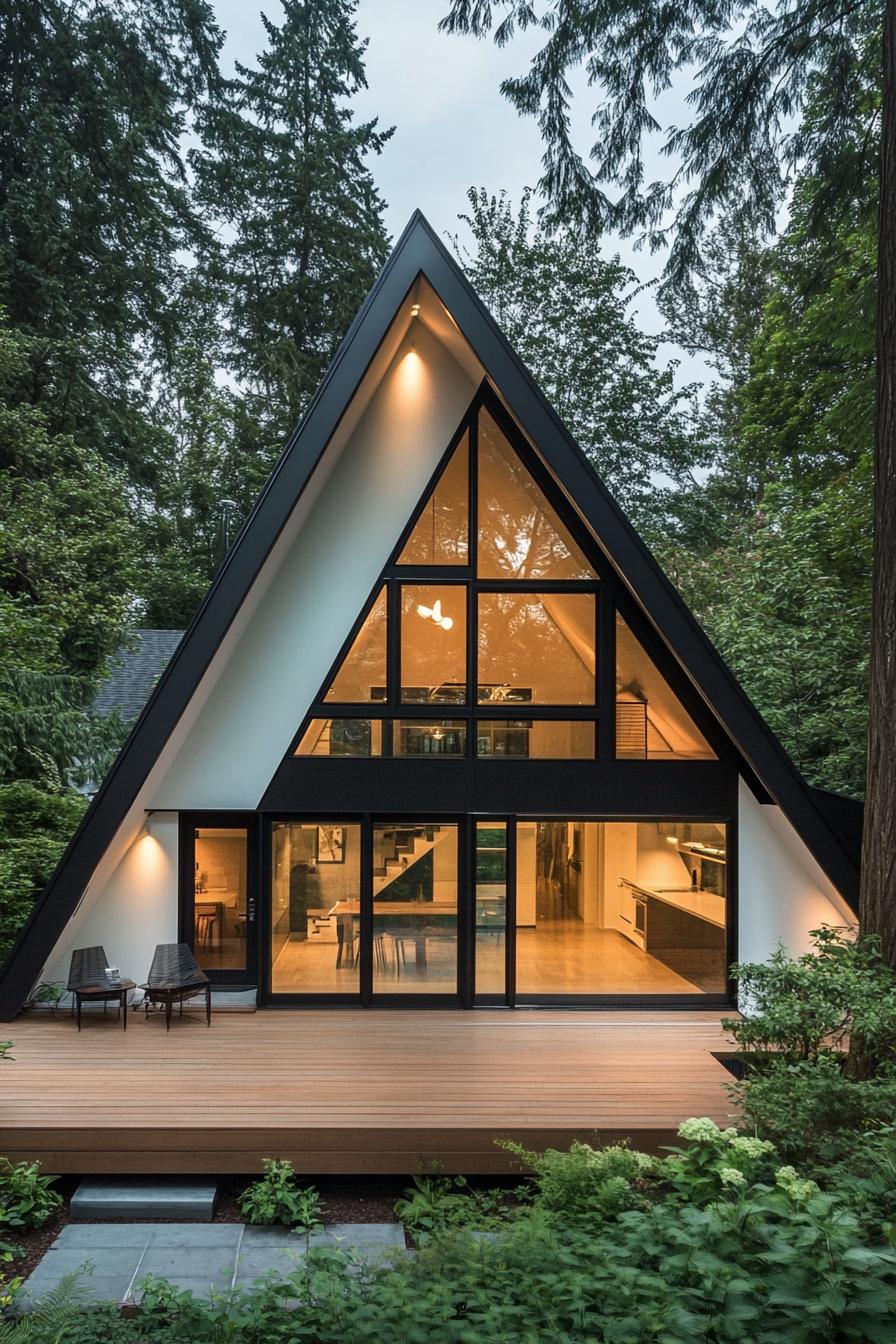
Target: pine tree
x=94, y=206
x=302, y=220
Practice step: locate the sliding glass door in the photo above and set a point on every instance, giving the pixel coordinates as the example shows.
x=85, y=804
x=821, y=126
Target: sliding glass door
x=364, y=911
x=482, y=910
x=415, y=908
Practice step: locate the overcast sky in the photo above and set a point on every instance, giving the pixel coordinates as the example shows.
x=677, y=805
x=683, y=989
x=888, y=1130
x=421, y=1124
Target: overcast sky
x=453, y=130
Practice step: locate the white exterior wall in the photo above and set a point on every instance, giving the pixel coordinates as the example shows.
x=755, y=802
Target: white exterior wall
x=257, y=689
x=311, y=603
x=133, y=911
x=782, y=891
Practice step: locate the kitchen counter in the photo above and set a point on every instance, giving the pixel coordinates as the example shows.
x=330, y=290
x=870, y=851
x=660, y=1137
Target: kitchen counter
x=706, y=905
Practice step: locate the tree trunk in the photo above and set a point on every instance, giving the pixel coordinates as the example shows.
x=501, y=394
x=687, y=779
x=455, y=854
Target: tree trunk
x=878, y=896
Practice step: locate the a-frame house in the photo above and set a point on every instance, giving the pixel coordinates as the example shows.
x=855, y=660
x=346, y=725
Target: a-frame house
x=442, y=732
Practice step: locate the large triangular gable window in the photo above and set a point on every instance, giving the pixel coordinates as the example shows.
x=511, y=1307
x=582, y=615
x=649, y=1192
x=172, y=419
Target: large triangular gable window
x=481, y=637
x=520, y=533
x=441, y=535
x=651, y=722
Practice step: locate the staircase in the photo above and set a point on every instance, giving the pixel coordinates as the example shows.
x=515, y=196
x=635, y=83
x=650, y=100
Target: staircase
x=397, y=850
x=631, y=730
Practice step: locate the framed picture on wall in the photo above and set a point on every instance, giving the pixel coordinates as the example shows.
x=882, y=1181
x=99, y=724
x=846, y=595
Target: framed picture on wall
x=331, y=844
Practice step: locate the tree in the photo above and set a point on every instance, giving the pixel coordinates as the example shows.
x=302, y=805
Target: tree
x=756, y=67
x=95, y=211
x=567, y=310
x=66, y=577
x=286, y=175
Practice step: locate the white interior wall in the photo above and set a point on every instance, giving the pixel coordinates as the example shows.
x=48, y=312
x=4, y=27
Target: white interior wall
x=782, y=891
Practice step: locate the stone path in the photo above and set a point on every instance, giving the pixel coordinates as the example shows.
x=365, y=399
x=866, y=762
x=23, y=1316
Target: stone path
x=197, y=1257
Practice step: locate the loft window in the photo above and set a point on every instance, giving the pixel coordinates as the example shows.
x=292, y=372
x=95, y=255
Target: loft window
x=481, y=641
x=361, y=676
x=433, y=643
x=537, y=648
x=441, y=534
x=521, y=535
x=651, y=722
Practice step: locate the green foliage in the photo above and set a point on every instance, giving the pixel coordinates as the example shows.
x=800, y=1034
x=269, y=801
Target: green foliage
x=820, y=1032
x=716, y=1162
x=35, y=828
x=753, y=73
x=26, y=1199
x=839, y=993
x=778, y=539
x=66, y=555
x=58, y=1316
x=720, y=1253
x=568, y=310
x=286, y=175
x=277, y=1198
x=812, y=1111
x=51, y=992
x=437, y=1203
x=585, y=1182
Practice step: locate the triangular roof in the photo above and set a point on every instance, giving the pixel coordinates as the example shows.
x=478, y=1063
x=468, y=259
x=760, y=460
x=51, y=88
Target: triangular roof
x=419, y=252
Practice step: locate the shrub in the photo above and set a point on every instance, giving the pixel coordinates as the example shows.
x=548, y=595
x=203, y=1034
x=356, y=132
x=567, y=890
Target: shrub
x=811, y=1006
x=438, y=1203
x=26, y=1199
x=277, y=1198
x=593, y=1182
x=813, y=1112
x=771, y=1259
x=716, y=1162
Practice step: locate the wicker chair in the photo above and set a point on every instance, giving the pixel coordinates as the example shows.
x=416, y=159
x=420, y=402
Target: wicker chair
x=87, y=980
x=174, y=977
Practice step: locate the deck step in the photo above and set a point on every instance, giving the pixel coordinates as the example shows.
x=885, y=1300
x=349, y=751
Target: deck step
x=144, y=1199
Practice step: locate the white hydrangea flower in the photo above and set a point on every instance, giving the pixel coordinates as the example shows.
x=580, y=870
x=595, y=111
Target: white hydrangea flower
x=699, y=1129
x=794, y=1185
x=751, y=1147
x=731, y=1176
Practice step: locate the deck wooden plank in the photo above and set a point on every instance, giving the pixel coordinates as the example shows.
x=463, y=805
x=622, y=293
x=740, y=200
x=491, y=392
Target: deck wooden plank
x=350, y=1091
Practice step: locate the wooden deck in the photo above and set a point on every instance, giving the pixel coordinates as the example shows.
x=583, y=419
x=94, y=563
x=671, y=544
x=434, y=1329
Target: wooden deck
x=350, y=1091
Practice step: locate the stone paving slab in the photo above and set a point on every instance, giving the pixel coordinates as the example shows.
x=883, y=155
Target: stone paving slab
x=145, y=1199
x=192, y=1257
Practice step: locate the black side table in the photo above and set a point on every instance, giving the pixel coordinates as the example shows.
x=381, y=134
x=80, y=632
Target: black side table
x=105, y=993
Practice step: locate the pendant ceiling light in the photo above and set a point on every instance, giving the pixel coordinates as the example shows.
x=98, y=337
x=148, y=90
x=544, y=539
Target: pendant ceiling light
x=434, y=613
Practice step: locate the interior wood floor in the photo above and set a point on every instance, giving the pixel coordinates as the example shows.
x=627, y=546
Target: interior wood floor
x=350, y=1091
x=554, y=957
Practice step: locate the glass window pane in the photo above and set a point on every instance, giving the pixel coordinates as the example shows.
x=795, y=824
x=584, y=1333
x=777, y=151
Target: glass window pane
x=433, y=643
x=622, y=907
x=221, y=891
x=533, y=739
x=651, y=722
x=536, y=648
x=415, y=908
x=316, y=908
x=441, y=533
x=520, y=533
x=491, y=906
x=361, y=677
x=443, y=737
x=342, y=737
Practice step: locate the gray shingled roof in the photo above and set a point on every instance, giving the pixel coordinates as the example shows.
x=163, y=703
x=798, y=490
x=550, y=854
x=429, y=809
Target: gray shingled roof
x=134, y=672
